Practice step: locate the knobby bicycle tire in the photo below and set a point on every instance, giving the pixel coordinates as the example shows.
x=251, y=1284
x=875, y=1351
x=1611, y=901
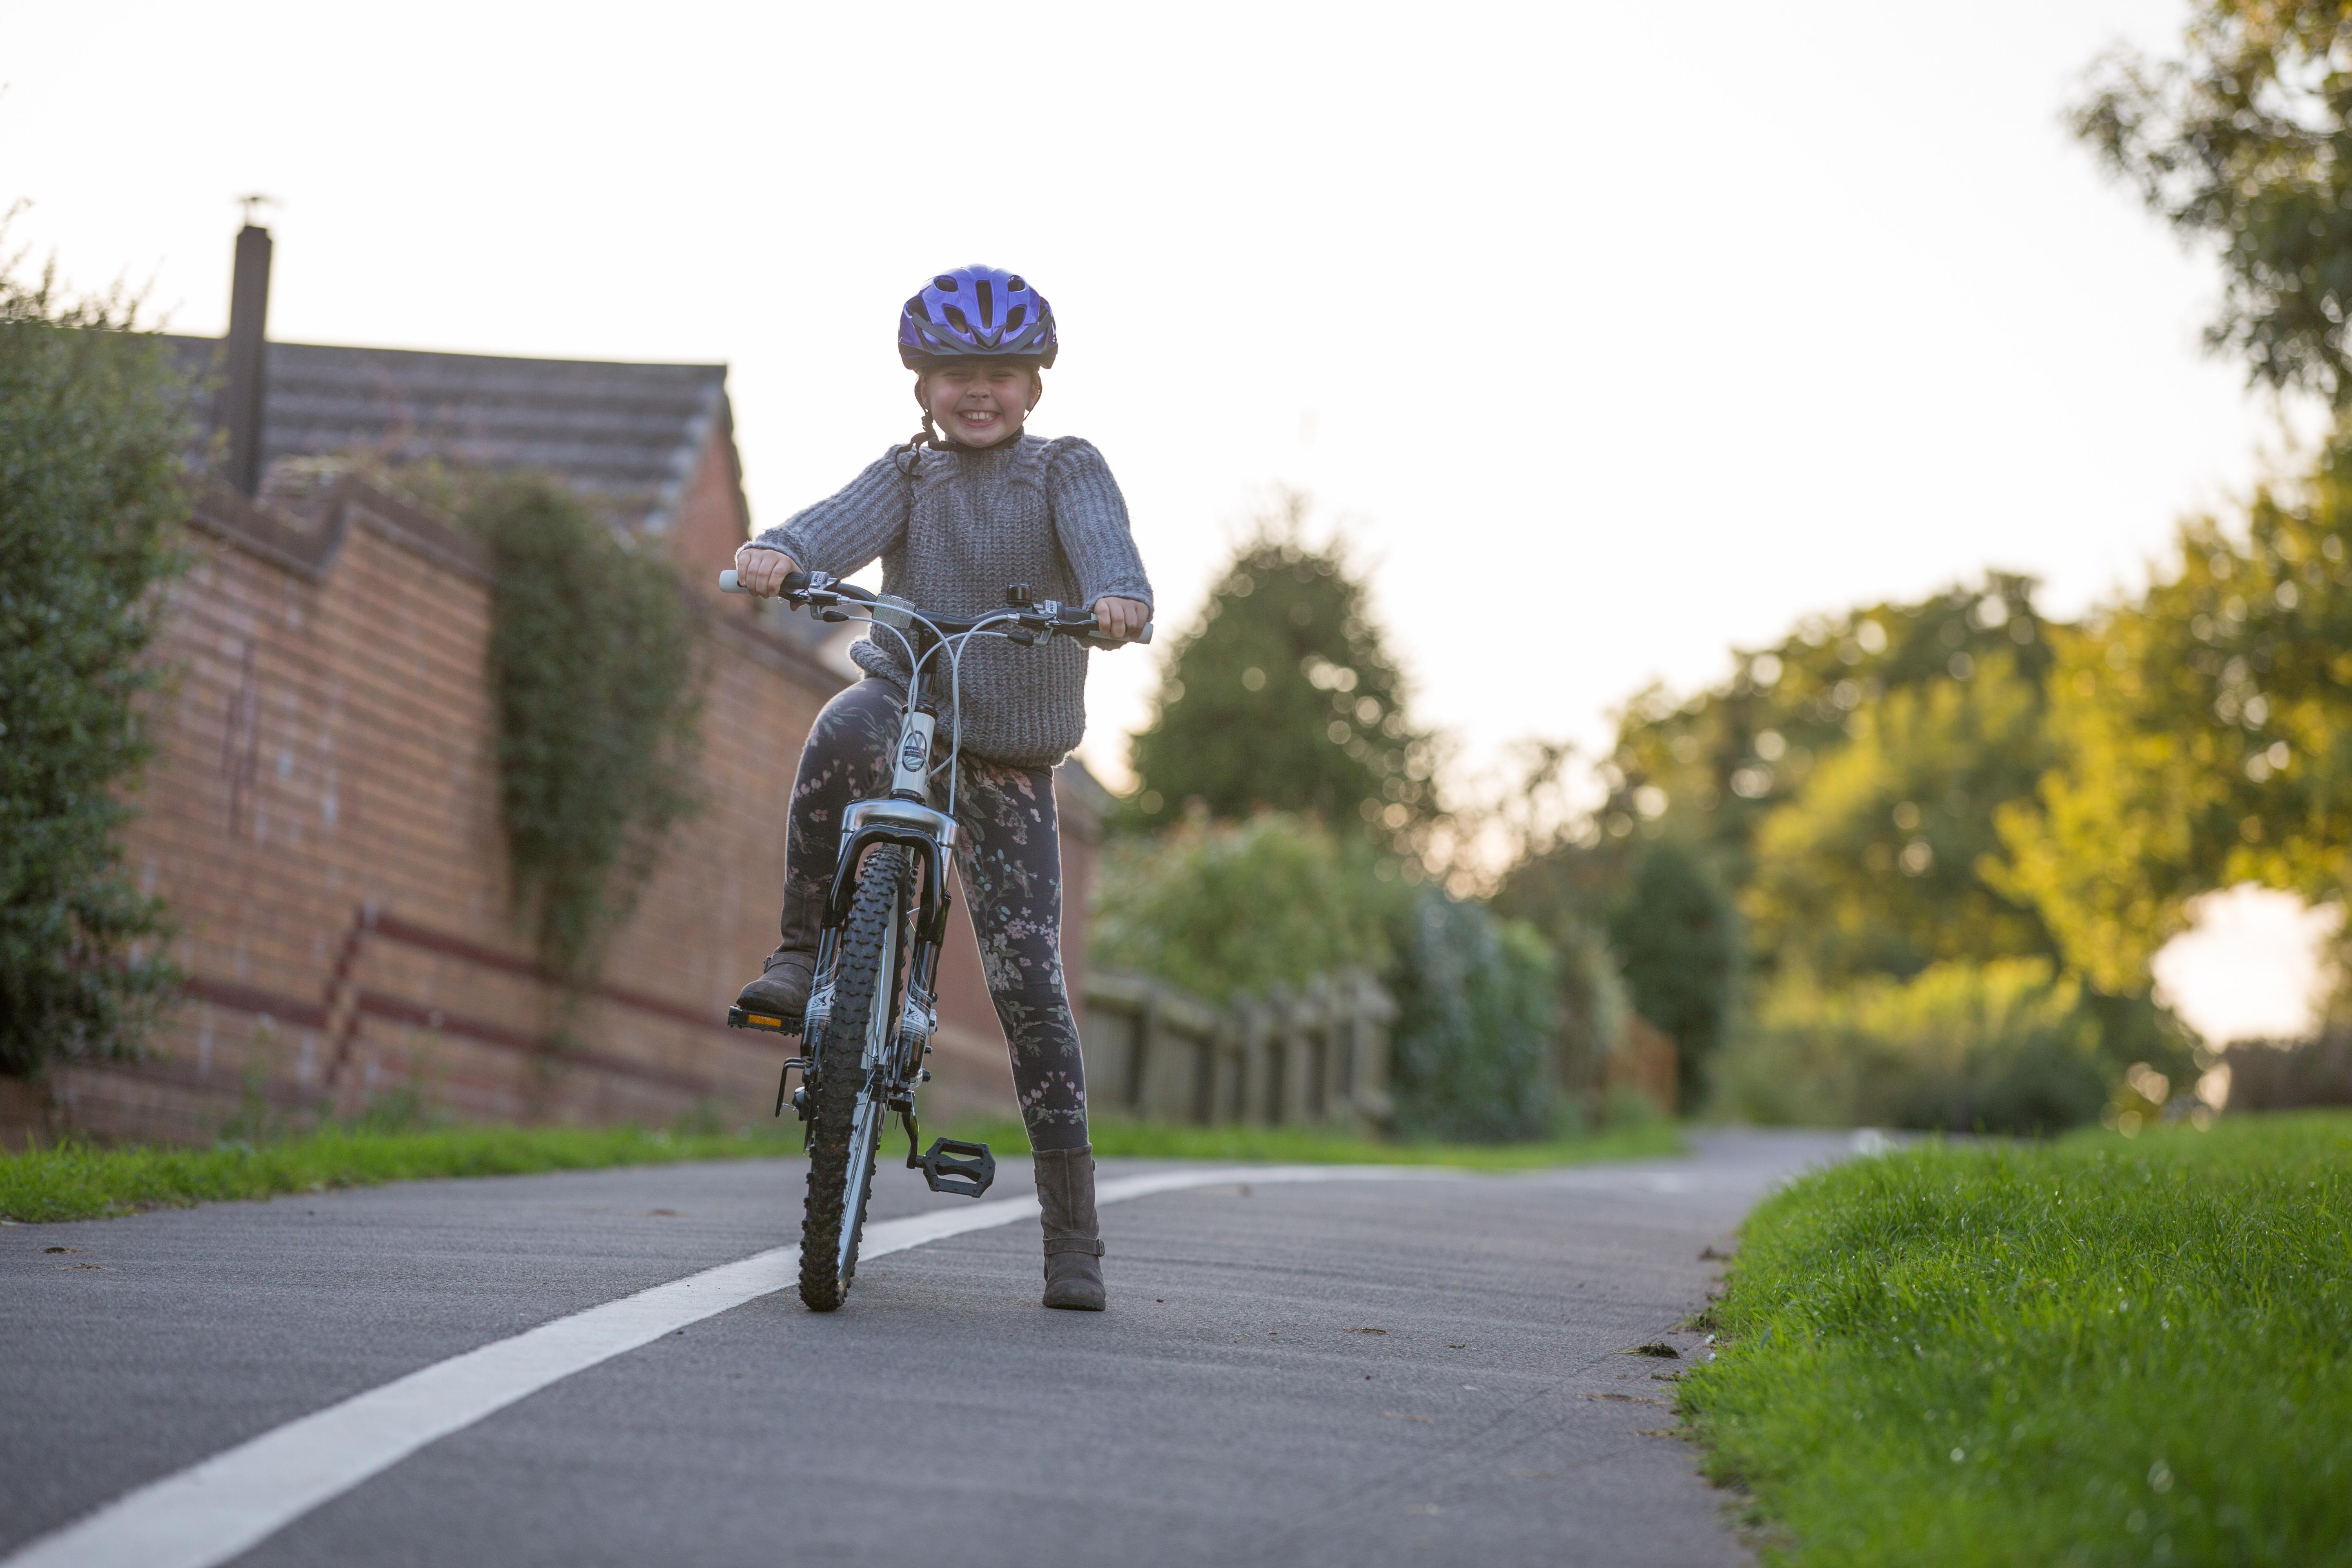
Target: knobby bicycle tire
x=860, y=986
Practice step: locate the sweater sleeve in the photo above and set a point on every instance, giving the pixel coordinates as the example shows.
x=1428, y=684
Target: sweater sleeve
x=1090, y=520
x=851, y=528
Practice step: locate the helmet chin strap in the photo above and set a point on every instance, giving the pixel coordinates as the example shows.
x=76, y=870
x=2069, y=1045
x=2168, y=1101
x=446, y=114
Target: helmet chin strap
x=929, y=436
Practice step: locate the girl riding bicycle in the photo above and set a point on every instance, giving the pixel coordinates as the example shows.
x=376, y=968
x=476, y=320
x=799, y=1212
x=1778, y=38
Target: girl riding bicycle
x=954, y=520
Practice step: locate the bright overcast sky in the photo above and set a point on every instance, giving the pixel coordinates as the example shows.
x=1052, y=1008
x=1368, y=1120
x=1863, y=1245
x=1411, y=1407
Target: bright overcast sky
x=1615, y=333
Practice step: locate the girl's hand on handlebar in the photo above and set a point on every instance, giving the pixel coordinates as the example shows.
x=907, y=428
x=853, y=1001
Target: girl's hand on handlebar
x=1120, y=618
x=760, y=569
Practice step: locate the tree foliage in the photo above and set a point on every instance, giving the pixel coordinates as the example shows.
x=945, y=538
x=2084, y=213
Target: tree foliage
x=2203, y=735
x=1713, y=767
x=2245, y=140
x=1283, y=694
x=1677, y=934
x=1546, y=895
x=1878, y=863
x=2007, y=1046
x=1226, y=909
x=91, y=431
x=1229, y=910
x=1643, y=926
x=1477, y=1009
x=593, y=658
x=1829, y=804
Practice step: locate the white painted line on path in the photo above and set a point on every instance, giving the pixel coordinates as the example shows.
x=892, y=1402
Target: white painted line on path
x=230, y=1503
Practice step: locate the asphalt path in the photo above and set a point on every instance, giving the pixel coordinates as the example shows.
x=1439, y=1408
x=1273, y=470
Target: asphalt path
x=1362, y=1372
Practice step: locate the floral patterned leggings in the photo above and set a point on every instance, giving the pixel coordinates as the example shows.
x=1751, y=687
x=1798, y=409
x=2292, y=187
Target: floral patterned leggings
x=1009, y=860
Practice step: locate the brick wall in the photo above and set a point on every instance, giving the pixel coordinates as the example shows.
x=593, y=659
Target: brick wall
x=321, y=815
x=713, y=518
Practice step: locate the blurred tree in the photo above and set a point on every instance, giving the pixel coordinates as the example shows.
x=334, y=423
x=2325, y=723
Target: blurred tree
x=1283, y=694
x=1713, y=767
x=1677, y=934
x=1594, y=1009
x=2203, y=735
x=1560, y=891
x=2246, y=141
x=2009, y=1045
x=1478, y=1015
x=1854, y=738
x=92, y=426
x=1228, y=909
x=1873, y=867
x=2163, y=706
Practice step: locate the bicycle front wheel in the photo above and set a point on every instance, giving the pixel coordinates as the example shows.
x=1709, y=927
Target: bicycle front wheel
x=850, y=1108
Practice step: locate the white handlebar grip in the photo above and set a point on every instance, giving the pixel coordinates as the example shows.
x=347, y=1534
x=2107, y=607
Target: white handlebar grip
x=727, y=585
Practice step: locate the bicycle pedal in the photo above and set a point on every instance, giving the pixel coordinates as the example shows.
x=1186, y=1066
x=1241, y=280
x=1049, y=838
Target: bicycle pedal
x=742, y=1018
x=967, y=1176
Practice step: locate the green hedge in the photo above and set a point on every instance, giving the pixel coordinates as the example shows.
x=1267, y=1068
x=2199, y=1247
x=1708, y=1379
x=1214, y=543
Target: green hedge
x=1228, y=909
x=1478, y=1006
x=91, y=430
x=2005, y=1046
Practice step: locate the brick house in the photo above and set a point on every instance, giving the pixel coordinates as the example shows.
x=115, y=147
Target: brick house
x=322, y=813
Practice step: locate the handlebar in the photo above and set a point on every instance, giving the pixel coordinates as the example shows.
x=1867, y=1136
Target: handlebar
x=818, y=591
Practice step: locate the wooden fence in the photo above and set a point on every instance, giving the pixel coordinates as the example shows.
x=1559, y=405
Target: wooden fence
x=2290, y=1075
x=1317, y=1055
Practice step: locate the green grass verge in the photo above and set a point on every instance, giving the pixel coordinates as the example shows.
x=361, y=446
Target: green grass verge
x=1307, y=1146
x=2100, y=1350
x=81, y=1180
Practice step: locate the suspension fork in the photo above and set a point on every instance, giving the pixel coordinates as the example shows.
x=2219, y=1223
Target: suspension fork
x=814, y=1018
x=918, y=1017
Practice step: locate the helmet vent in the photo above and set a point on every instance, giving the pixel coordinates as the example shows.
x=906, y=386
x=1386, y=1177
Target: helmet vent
x=976, y=312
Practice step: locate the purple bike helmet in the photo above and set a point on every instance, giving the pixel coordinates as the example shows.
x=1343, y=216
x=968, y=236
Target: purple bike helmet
x=976, y=312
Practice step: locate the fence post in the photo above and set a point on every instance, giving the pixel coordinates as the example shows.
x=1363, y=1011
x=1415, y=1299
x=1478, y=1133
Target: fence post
x=1229, y=1075
x=1316, y=1055
x=1296, y=1063
x=1251, y=1023
x=1319, y=1028
x=1370, y=1011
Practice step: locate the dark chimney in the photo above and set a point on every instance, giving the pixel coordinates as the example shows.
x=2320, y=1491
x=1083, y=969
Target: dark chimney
x=241, y=397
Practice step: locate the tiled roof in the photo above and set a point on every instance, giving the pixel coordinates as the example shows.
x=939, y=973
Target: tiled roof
x=626, y=437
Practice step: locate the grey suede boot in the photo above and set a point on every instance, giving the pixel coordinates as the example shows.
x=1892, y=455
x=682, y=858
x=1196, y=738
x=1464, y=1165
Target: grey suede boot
x=1066, y=1193
x=786, y=975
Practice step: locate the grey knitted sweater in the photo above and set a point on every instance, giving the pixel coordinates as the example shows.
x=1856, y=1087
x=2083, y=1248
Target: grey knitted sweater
x=952, y=535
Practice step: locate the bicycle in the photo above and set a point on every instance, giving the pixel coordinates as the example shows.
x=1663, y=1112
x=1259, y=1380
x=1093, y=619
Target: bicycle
x=874, y=1007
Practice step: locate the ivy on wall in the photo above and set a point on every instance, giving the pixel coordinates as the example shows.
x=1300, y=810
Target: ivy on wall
x=92, y=421
x=592, y=664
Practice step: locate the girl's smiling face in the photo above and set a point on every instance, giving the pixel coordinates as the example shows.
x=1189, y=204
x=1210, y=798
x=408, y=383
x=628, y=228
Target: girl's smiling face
x=980, y=402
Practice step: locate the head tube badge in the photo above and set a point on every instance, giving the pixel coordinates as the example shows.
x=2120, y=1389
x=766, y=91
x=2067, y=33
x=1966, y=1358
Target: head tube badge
x=913, y=772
